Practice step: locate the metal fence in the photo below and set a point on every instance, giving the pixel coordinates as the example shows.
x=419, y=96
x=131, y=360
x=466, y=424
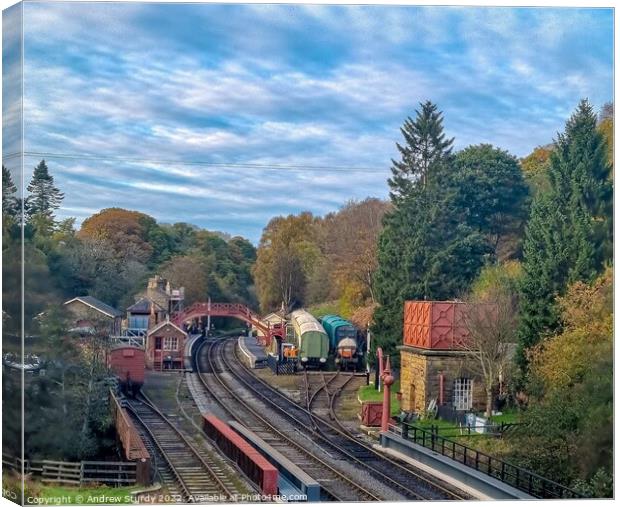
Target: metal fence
x=517, y=477
x=477, y=430
x=281, y=367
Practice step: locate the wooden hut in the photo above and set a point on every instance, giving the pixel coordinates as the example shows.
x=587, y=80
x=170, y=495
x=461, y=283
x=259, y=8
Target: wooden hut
x=165, y=344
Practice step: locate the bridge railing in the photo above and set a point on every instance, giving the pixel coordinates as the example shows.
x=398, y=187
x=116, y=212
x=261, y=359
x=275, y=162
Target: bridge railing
x=222, y=310
x=515, y=476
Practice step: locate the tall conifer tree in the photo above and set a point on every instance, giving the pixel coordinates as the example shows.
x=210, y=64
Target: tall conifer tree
x=425, y=145
x=569, y=234
x=427, y=249
x=44, y=196
x=10, y=203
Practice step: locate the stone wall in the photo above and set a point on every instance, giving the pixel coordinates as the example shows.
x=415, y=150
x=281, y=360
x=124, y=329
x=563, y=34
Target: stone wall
x=412, y=381
x=420, y=375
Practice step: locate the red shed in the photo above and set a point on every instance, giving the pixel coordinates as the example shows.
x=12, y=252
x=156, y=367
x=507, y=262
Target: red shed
x=127, y=363
x=165, y=344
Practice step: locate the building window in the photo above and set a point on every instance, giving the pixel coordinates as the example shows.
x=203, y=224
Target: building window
x=138, y=322
x=462, y=394
x=171, y=343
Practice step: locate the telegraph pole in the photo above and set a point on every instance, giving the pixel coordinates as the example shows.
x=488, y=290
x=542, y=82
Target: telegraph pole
x=208, y=316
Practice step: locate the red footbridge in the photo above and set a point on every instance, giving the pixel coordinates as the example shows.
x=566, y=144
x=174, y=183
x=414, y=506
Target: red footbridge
x=233, y=310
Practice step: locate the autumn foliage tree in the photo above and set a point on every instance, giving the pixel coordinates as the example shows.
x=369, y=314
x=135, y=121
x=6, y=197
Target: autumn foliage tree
x=570, y=412
x=535, y=168
x=350, y=243
x=286, y=257
x=569, y=234
x=124, y=230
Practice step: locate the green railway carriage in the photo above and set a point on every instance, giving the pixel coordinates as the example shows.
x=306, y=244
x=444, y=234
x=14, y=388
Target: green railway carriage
x=311, y=339
x=338, y=329
x=342, y=340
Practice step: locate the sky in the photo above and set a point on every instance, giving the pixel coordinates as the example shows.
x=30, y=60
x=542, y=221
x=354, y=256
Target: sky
x=224, y=116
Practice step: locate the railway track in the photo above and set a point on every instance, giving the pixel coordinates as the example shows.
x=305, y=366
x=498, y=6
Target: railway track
x=335, y=484
x=323, y=398
x=188, y=475
x=411, y=484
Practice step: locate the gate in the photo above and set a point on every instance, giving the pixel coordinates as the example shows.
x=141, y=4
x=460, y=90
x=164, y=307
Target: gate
x=281, y=367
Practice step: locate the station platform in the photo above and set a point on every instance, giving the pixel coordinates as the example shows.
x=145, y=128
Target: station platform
x=252, y=353
x=292, y=481
x=189, y=349
x=477, y=484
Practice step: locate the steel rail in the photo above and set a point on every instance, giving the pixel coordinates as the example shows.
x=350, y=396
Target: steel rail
x=345, y=435
x=179, y=475
x=367, y=495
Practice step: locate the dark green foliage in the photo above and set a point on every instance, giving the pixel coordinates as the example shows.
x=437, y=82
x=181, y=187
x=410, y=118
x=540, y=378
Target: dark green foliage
x=230, y=278
x=44, y=196
x=451, y=213
x=425, y=145
x=569, y=235
x=159, y=239
x=488, y=185
x=11, y=408
x=67, y=416
x=426, y=251
x=10, y=203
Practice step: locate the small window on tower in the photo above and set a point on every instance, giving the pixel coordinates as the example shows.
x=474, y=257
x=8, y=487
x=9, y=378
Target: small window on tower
x=462, y=394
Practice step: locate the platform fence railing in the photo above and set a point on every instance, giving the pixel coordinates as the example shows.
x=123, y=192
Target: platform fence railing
x=520, y=478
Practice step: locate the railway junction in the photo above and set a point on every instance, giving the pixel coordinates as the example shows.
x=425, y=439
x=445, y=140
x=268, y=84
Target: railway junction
x=209, y=418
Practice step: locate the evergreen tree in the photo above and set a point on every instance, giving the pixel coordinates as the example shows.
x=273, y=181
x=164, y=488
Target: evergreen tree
x=426, y=251
x=425, y=145
x=44, y=196
x=10, y=203
x=569, y=234
x=489, y=186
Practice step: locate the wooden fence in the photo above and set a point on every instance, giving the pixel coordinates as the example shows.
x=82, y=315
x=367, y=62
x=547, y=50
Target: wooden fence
x=114, y=473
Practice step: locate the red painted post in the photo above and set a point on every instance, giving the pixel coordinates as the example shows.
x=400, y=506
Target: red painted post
x=440, y=388
x=388, y=380
x=380, y=362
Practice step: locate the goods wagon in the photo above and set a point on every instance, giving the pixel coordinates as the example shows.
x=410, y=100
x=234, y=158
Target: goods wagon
x=127, y=364
x=342, y=340
x=249, y=460
x=310, y=339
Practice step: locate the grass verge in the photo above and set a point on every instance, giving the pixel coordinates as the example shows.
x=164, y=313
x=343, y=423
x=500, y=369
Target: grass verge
x=369, y=393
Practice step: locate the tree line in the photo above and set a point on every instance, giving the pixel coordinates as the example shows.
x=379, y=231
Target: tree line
x=304, y=260
x=109, y=257
x=534, y=236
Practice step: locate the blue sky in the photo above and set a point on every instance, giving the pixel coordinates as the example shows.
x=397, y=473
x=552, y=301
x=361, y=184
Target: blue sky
x=141, y=88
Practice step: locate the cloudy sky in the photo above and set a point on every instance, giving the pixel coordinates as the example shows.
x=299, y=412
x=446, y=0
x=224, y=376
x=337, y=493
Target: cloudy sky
x=226, y=115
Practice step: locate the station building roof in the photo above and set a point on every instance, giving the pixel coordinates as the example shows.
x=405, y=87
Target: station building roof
x=143, y=305
x=98, y=305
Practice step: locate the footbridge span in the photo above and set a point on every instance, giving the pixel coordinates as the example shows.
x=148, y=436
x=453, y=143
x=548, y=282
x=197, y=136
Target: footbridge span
x=233, y=310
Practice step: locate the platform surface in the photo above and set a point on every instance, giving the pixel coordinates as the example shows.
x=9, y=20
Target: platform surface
x=252, y=349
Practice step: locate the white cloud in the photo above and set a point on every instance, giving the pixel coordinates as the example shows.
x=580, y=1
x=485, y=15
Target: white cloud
x=304, y=86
